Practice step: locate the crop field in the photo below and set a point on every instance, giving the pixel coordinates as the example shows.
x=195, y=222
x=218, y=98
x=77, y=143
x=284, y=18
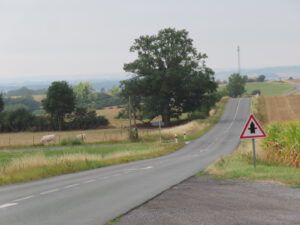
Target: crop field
x=296, y=81
x=280, y=108
x=268, y=88
x=38, y=98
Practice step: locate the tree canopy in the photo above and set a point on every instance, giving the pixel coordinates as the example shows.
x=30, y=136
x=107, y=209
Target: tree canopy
x=236, y=85
x=84, y=95
x=169, y=75
x=60, y=100
x=1, y=102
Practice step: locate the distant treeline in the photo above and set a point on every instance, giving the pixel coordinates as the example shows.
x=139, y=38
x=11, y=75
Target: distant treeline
x=26, y=102
x=26, y=91
x=21, y=119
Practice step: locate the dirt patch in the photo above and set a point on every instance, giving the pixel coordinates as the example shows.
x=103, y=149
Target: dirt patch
x=207, y=201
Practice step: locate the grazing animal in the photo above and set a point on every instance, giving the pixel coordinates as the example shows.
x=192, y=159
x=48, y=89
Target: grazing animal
x=81, y=137
x=48, y=138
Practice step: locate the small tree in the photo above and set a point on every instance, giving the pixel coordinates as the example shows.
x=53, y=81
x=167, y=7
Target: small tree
x=261, y=78
x=236, y=85
x=60, y=100
x=84, y=95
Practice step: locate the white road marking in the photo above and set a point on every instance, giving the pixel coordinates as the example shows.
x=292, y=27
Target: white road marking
x=234, y=116
x=146, y=168
x=70, y=186
x=89, y=181
x=7, y=205
x=50, y=191
x=115, y=175
x=22, y=199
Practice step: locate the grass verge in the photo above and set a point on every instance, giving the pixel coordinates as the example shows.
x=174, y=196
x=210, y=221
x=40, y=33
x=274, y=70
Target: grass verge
x=239, y=165
x=31, y=165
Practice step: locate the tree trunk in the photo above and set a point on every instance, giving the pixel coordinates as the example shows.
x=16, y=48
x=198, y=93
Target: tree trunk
x=166, y=116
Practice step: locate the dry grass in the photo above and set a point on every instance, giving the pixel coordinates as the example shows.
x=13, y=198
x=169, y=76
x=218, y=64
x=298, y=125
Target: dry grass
x=38, y=98
x=297, y=81
x=110, y=113
x=281, y=108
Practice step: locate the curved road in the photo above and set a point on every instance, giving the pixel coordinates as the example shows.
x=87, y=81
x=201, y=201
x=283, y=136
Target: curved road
x=97, y=196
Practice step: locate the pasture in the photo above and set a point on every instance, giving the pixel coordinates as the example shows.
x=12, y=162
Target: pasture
x=268, y=88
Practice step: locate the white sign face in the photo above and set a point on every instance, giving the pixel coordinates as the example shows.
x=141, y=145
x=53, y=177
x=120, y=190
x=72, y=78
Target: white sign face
x=252, y=129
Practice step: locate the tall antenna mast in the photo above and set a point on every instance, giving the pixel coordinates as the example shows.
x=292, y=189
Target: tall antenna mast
x=239, y=63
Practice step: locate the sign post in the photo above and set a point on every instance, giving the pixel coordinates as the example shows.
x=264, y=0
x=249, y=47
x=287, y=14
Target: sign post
x=252, y=130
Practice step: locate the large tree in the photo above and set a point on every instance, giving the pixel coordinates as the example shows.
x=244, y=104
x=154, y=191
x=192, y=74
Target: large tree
x=169, y=75
x=236, y=85
x=60, y=100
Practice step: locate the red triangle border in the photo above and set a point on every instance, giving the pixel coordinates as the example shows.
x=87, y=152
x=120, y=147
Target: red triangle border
x=258, y=125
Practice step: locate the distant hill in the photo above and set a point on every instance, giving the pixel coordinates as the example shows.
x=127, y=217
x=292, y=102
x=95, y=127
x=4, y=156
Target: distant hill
x=271, y=73
x=23, y=91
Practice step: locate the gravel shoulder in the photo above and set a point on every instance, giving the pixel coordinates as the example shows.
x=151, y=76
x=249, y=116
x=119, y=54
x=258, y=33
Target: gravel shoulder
x=204, y=200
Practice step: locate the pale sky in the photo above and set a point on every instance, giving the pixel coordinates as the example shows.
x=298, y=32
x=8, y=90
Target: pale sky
x=69, y=38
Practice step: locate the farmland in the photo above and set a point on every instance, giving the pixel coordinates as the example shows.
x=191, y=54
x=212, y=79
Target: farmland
x=279, y=108
x=268, y=88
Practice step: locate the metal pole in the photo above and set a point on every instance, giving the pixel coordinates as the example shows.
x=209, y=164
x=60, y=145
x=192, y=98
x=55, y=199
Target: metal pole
x=254, y=154
x=239, y=63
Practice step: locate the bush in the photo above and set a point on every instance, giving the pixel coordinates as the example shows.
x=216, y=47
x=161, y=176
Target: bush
x=84, y=119
x=255, y=92
x=71, y=141
x=197, y=115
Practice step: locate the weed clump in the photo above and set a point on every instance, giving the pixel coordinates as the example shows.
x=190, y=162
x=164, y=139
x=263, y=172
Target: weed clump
x=71, y=141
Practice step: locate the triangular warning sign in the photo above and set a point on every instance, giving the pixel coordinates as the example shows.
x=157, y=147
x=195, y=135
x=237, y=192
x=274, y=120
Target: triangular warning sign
x=252, y=129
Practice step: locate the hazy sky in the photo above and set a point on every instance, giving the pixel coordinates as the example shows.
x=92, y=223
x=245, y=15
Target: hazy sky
x=73, y=37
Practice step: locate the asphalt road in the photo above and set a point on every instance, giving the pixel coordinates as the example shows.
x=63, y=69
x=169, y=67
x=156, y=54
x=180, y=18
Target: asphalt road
x=97, y=196
x=295, y=90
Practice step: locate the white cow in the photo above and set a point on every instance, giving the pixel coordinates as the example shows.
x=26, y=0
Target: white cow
x=81, y=137
x=48, y=138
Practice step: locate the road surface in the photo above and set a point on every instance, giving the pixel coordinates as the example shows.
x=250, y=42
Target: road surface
x=97, y=196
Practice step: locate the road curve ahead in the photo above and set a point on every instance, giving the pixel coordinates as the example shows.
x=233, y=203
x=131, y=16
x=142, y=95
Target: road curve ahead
x=97, y=196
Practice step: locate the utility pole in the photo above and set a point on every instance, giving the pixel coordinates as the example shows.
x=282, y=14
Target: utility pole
x=239, y=62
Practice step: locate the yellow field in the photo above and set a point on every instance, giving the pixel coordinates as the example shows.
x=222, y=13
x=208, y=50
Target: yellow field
x=110, y=113
x=280, y=108
x=38, y=98
x=297, y=81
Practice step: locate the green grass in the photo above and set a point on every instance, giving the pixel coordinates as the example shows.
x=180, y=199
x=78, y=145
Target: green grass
x=268, y=88
x=239, y=165
x=21, y=173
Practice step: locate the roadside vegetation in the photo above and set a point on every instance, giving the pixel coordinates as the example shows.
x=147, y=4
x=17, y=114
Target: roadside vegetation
x=31, y=165
x=278, y=155
x=239, y=165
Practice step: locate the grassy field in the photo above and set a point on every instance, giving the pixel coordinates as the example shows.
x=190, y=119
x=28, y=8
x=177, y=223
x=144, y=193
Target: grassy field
x=239, y=165
x=31, y=165
x=268, y=88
